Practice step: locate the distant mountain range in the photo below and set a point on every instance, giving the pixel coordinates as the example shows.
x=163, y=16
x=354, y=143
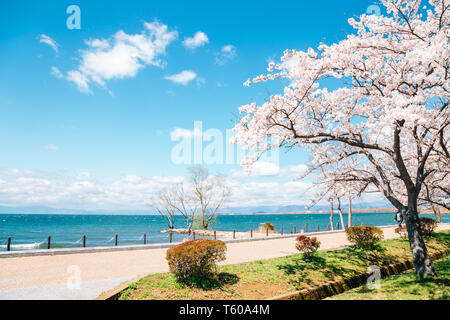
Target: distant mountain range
x=229, y=210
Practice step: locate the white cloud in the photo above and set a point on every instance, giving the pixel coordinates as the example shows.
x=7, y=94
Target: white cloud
x=25, y=188
x=200, y=81
x=198, y=40
x=83, y=176
x=270, y=169
x=14, y=172
x=259, y=169
x=132, y=178
x=55, y=71
x=50, y=147
x=121, y=56
x=294, y=171
x=226, y=54
x=269, y=193
x=221, y=84
x=183, y=78
x=179, y=133
x=49, y=41
x=264, y=169
x=22, y=187
x=80, y=80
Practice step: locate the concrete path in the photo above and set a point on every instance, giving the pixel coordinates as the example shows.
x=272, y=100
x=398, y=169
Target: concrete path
x=87, y=275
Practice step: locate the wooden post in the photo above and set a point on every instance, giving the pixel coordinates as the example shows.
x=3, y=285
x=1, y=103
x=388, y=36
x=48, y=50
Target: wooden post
x=145, y=238
x=48, y=242
x=337, y=225
x=295, y=229
x=328, y=227
x=234, y=234
x=306, y=228
x=193, y=235
x=84, y=241
x=281, y=230
x=251, y=233
x=8, y=244
x=267, y=232
x=318, y=228
x=215, y=235
x=170, y=236
x=115, y=240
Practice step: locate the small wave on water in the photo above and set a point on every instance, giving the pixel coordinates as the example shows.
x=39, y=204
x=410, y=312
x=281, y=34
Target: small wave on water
x=37, y=245
x=26, y=246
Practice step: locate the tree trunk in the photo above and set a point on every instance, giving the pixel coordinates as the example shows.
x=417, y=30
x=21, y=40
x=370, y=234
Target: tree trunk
x=331, y=216
x=340, y=214
x=437, y=213
x=422, y=262
x=204, y=222
x=349, y=211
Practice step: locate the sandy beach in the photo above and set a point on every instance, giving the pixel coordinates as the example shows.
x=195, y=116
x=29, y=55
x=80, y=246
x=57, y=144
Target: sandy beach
x=46, y=277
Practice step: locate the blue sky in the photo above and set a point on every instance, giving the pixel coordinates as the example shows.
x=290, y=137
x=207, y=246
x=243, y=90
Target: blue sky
x=53, y=132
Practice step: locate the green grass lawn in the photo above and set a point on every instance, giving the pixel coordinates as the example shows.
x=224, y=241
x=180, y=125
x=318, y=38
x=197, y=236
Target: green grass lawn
x=406, y=286
x=267, y=278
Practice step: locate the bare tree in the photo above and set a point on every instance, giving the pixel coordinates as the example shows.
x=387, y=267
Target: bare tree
x=210, y=194
x=184, y=203
x=198, y=200
x=163, y=204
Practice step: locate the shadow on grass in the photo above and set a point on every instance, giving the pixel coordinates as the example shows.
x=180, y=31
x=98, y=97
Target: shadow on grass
x=214, y=282
x=303, y=271
x=441, y=238
x=294, y=267
x=376, y=255
x=336, y=265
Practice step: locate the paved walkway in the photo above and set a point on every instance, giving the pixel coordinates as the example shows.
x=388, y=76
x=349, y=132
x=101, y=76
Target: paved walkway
x=55, y=277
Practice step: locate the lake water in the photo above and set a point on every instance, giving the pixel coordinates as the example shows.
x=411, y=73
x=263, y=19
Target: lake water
x=30, y=231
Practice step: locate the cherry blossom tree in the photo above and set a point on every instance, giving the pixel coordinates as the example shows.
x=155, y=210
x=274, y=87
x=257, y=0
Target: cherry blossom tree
x=337, y=189
x=332, y=187
x=385, y=126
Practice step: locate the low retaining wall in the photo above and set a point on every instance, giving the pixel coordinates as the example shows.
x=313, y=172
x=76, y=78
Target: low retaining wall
x=114, y=293
x=337, y=287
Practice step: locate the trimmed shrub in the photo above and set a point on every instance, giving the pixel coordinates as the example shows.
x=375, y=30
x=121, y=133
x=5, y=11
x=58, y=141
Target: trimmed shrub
x=402, y=232
x=195, y=258
x=308, y=246
x=427, y=226
x=364, y=236
x=267, y=226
